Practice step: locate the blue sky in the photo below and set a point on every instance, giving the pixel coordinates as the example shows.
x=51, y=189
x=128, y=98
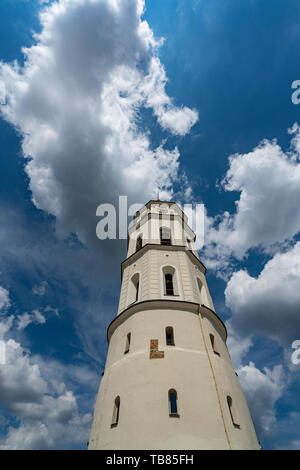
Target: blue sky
x=96, y=108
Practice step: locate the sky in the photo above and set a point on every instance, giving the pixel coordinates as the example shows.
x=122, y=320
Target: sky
x=105, y=98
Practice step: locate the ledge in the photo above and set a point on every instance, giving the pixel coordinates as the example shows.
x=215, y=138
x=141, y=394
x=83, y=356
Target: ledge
x=161, y=304
x=157, y=246
x=169, y=203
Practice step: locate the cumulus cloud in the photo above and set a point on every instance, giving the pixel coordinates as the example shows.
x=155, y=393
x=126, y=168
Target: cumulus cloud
x=26, y=318
x=21, y=381
x=269, y=304
x=5, y=325
x=55, y=311
x=238, y=346
x=40, y=289
x=45, y=410
x=267, y=211
x=68, y=268
x=4, y=299
x=78, y=103
x=262, y=389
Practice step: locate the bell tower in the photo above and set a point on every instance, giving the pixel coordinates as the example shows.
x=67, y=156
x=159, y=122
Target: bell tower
x=169, y=382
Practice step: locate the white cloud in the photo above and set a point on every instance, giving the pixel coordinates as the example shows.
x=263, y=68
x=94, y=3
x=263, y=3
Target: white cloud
x=269, y=304
x=238, y=346
x=38, y=254
x=38, y=317
x=47, y=412
x=53, y=310
x=262, y=390
x=4, y=299
x=26, y=318
x=21, y=381
x=176, y=120
x=40, y=289
x=77, y=103
x=5, y=325
x=27, y=437
x=267, y=212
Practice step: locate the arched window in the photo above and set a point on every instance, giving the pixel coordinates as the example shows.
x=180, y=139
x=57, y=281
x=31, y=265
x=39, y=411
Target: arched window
x=165, y=236
x=232, y=412
x=213, y=344
x=127, y=343
x=200, y=286
x=116, y=413
x=134, y=289
x=202, y=292
x=170, y=281
x=169, y=284
x=139, y=242
x=173, y=410
x=170, y=336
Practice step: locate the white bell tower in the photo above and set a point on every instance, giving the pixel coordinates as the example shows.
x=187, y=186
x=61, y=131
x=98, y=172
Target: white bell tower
x=169, y=382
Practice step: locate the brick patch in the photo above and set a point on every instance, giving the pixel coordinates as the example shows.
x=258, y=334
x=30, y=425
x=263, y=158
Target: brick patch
x=154, y=352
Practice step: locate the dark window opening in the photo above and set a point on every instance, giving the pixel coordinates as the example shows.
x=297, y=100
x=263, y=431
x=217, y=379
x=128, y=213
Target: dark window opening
x=173, y=410
x=170, y=336
x=212, y=340
x=169, y=284
x=139, y=242
x=134, y=291
x=127, y=343
x=116, y=413
x=232, y=413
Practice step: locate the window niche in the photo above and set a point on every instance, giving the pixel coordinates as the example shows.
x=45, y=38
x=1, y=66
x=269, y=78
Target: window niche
x=170, y=336
x=134, y=289
x=169, y=284
x=170, y=281
x=116, y=413
x=127, y=347
x=202, y=292
x=213, y=345
x=139, y=242
x=232, y=412
x=173, y=408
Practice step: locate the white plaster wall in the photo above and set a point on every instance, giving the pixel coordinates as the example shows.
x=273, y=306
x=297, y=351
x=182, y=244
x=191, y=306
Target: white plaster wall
x=143, y=385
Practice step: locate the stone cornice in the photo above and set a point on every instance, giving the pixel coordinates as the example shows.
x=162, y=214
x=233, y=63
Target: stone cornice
x=169, y=203
x=162, y=304
x=157, y=246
